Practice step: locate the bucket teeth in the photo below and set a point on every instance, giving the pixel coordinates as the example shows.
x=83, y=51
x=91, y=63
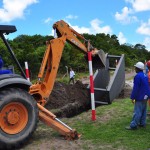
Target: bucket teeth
x=73, y=135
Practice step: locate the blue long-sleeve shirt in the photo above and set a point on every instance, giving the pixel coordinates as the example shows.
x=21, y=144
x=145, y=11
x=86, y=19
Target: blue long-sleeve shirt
x=1, y=63
x=140, y=87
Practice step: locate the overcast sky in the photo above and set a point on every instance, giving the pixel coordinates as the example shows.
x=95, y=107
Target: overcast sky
x=129, y=20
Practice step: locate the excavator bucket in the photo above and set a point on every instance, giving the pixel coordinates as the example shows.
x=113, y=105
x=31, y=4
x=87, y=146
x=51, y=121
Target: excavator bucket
x=110, y=81
x=99, y=60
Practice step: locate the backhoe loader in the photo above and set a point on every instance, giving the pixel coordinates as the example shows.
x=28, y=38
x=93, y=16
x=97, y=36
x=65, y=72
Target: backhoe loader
x=22, y=103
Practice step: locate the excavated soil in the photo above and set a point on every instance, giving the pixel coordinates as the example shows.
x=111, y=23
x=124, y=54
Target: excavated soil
x=69, y=100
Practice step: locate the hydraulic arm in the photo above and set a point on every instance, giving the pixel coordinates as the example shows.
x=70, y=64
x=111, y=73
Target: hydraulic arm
x=54, y=48
x=48, y=71
x=50, y=119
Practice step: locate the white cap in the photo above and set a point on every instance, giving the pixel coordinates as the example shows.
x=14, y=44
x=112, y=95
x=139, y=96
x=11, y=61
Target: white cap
x=139, y=65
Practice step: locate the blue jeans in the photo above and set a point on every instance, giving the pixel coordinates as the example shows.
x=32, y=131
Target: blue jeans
x=139, y=115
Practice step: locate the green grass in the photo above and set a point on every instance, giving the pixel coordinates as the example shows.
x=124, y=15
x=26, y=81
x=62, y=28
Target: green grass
x=106, y=133
x=109, y=127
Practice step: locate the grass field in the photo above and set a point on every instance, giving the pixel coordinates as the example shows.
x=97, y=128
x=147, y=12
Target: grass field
x=108, y=131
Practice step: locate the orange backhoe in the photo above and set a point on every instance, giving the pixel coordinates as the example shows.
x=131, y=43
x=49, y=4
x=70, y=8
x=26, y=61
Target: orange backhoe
x=22, y=104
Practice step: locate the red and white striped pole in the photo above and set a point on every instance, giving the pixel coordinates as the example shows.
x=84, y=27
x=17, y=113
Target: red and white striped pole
x=27, y=71
x=91, y=86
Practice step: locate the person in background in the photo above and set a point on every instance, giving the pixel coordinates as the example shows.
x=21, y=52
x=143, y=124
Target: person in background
x=147, y=70
x=139, y=96
x=3, y=71
x=71, y=76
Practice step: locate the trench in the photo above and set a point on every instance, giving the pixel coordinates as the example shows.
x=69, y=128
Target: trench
x=67, y=100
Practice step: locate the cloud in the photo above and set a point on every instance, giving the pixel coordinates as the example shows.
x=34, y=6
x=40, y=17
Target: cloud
x=71, y=17
x=13, y=9
x=81, y=29
x=144, y=28
x=125, y=17
x=48, y=20
x=140, y=5
x=147, y=43
x=121, y=38
x=95, y=27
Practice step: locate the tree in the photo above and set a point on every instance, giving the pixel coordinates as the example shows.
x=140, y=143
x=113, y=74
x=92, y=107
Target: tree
x=139, y=46
x=32, y=49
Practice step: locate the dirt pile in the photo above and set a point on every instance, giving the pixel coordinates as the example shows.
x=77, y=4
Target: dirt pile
x=70, y=100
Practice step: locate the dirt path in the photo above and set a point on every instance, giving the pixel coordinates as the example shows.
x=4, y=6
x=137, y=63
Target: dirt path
x=129, y=79
x=129, y=75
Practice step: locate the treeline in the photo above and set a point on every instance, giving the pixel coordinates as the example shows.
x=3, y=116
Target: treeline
x=32, y=48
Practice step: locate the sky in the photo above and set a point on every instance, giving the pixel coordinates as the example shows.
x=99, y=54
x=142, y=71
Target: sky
x=129, y=20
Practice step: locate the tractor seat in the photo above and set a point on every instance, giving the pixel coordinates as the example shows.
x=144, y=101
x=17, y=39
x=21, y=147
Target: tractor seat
x=7, y=29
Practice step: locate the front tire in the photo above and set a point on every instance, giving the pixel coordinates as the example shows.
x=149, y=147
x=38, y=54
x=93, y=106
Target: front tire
x=18, y=117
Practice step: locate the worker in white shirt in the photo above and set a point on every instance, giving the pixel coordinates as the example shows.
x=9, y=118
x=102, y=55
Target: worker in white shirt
x=71, y=76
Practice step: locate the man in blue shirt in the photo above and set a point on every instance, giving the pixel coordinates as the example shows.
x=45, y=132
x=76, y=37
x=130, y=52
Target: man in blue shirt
x=3, y=71
x=1, y=62
x=139, y=96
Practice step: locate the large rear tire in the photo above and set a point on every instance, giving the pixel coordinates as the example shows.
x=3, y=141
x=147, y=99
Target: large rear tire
x=18, y=117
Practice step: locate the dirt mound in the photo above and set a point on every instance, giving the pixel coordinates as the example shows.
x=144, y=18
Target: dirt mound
x=68, y=100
